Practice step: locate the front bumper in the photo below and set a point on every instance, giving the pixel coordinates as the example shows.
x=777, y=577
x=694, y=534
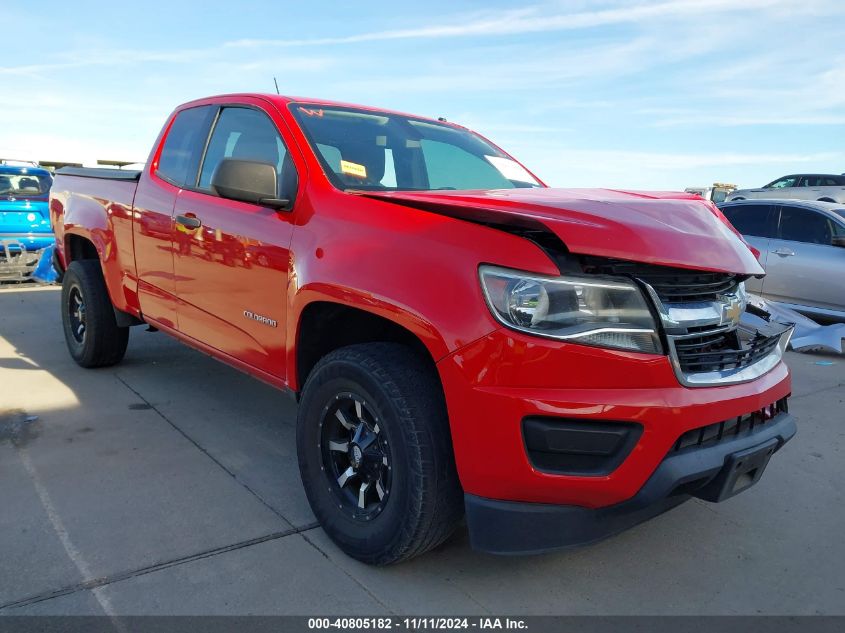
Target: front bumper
x=492, y=385
x=506, y=527
x=18, y=258
x=30, y=241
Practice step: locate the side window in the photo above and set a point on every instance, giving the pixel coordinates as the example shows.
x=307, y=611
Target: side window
x=780, y=183
x=831, y=181
x=751, y=219
x=719, y=196
x=803, y=225
x=183, y=146
x=810, y=181
x=248, y=134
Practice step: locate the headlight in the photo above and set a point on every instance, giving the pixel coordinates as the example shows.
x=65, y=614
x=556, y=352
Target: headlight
x=581, y=309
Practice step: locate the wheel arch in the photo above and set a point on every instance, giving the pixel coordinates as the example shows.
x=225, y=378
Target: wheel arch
x=324, y=325
x=80, y=246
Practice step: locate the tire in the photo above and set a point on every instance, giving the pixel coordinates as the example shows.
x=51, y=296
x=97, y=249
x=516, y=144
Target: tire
x=85, y=301
x=412, y=464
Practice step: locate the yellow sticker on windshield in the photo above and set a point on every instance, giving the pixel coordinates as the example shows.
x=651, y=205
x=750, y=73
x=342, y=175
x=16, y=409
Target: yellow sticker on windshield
x=353, y=169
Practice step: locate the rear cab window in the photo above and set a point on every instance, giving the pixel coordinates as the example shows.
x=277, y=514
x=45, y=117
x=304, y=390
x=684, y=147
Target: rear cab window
x=180, y=156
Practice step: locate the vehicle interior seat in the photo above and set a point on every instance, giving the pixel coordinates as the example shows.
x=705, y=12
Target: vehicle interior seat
x=28, y=183
x=366, y=153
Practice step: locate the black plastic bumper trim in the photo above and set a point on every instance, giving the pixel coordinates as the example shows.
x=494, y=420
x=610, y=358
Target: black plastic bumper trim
x=511, y=527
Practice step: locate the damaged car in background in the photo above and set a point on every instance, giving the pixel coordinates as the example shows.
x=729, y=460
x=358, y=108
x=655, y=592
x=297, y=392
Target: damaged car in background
x=24, y=217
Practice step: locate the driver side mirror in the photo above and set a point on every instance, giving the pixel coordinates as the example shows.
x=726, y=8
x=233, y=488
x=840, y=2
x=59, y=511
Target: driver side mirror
x=838, y=241
x=248, y=181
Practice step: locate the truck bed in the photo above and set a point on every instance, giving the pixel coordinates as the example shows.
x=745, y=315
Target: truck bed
x=100, y=172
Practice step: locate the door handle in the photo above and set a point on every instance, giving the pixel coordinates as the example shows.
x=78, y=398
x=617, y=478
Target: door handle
x=189, y=221
x=784, y=252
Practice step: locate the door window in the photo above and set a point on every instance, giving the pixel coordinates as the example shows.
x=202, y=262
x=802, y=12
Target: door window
x=182, y=149
x=719, y=196
x=804, y=225
x=751, y=219
x=781, y=183
x=810, y=181
x=248, y=134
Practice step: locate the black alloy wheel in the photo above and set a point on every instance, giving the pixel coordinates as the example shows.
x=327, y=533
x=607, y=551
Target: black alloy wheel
x=356, y=456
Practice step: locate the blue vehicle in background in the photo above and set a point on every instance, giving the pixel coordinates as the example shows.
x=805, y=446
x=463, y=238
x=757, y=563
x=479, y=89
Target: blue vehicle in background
x=24, y=217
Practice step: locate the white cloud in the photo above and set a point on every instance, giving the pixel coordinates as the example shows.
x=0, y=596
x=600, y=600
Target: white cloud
x=538, y=19
x=575, y=167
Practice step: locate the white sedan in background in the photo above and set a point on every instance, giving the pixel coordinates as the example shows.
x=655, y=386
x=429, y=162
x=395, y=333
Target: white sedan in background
x=821, y=187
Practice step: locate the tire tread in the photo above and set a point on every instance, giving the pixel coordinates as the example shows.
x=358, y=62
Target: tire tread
x=436, y=503
x=106, y=342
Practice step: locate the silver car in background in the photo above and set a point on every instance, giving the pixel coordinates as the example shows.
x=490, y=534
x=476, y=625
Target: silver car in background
x=821, y=187
x=802, y=248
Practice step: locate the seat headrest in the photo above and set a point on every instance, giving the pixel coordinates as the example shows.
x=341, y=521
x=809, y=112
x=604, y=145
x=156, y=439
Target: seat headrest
x=365, y=153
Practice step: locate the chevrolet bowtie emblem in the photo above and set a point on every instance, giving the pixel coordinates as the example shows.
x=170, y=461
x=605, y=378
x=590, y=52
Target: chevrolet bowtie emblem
x=732, y=308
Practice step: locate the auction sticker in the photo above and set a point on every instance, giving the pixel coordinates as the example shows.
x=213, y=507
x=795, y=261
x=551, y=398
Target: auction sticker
x=353, y=169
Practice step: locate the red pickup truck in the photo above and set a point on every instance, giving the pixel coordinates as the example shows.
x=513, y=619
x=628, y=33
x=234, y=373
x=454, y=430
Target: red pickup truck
x=557, y=365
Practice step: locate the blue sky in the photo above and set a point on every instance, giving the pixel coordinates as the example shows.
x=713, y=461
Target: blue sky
x=650, y=94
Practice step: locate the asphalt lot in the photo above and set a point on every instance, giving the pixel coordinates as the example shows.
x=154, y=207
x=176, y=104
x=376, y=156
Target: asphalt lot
x=169, y=485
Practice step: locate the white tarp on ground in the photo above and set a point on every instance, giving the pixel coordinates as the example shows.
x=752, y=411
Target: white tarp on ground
x=809, y=335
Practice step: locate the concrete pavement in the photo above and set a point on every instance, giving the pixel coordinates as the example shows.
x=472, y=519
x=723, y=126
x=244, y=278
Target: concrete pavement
x=169, y=485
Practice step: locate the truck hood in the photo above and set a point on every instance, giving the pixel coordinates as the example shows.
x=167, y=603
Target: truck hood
x=664, y=228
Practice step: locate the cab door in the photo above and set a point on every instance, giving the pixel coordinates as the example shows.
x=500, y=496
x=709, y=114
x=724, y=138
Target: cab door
x=231, y=258
x=175, y=163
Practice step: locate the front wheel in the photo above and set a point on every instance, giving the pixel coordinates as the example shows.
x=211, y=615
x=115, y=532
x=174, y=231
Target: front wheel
x=375, y=453
x=91, y=332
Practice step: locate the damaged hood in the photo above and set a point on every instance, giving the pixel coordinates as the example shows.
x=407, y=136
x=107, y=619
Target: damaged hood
x=664, y=228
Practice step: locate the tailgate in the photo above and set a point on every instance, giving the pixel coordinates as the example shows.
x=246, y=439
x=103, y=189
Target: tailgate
x=22, y=218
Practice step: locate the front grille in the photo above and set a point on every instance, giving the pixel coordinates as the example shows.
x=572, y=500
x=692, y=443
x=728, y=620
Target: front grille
x=672, y=285
x=729, y=429
x=710, y=341
x=721, y=351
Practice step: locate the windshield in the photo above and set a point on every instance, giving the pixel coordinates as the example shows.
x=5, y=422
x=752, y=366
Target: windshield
x=377, y=151
x=24, y=185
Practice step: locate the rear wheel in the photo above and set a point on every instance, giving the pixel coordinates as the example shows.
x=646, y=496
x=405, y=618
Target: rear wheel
x=91, y=332
x=375, y=453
